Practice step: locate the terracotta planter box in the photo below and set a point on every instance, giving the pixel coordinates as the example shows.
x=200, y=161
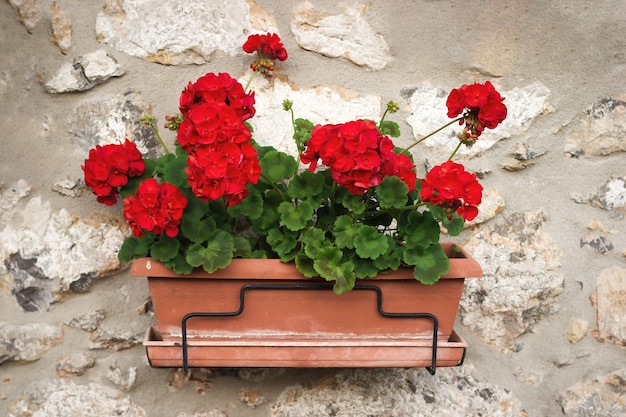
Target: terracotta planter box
x=256, y=309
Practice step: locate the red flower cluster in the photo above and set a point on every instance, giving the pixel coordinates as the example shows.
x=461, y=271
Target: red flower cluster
x=268, y=46
x=108, y=167
x=155, y=208
x=448, y=185
x=221, y=159
x=358, y=155
x=222, y=90
x=483, y=109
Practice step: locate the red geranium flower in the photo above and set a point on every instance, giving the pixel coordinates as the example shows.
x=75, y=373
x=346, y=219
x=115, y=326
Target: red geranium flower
x=220, y=88
x=108, y=167
x=483, y=109
x=357, y=154
x=448, y=185
x=155, y=208
x=223, y=170
x=269, y=46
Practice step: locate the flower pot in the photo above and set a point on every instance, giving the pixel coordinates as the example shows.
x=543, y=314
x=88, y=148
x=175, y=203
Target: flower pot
x=264, y=313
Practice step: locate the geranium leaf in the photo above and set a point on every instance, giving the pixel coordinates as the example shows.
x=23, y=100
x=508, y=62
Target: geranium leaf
x=313, y=240
x=295, y=217
x=251, y=206
x=133, y=182
x=345, y=231
x=179, y=265
x=164, y=248
x=453, y=226
x=174, y=171
x=352, y=202
x=304, y=264
x=430, y=262
x=302, y=132
x=196, y=228
x=282, y=243
x=218, y=252
x=363, y=268
x=243, y=249
x=421, y=229
x=368, y=243
x=329, y=265
x=391, y=259
x=389, y=128
x=277, y=166
x=306, y=185
x=135, y=247
x=392, y=193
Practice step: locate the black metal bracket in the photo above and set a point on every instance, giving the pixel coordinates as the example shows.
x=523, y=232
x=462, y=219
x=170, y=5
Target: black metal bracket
x=317, y=287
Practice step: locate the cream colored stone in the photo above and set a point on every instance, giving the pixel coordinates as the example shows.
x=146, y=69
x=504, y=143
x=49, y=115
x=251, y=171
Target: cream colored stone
x=610, y=301
x=577, y=330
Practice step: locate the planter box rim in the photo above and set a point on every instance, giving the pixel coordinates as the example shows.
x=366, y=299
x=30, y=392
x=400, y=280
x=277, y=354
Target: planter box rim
x=462, y=265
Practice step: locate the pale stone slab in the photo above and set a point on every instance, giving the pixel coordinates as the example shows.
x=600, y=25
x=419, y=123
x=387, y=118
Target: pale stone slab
x=27, y=342
x=602, y=396
x=180, y=32
x=345, y=35
x=86, y=72
x=61, y=28
x=520, y=282
x=610, y=301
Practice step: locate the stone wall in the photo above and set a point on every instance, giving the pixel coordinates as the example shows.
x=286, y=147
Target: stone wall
x=547, y=322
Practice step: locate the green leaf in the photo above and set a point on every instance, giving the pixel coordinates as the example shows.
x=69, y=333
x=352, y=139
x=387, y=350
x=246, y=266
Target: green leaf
x=453, y=226
x=330, y=266
x=363, y=268
x=282, y=243
x=277, y=166
x=295, y=218
x=164, y=248
x=179, y=265
x=352, y=202
x=304, y=264
x=392, y=193
x=251, y=206
x=430, y=262
x=345, y=232
x=313, y=240
x=389, y=128
x=193, y=225
x=420, y=229
x=218, y=253
x=243, y=248
x=392, y=259
x=174, y=171
x=135, y=247
x=306, y=185
x=370, y=243
x=302, y=132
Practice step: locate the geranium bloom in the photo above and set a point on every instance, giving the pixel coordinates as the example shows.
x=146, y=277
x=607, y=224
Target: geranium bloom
x=268, y=45
x=358, y=155
x=155, y=208
x=209, y=123
x=223, y=170
x=222, y=89
x=450, y=186
x=108, y=167
x=483, y=109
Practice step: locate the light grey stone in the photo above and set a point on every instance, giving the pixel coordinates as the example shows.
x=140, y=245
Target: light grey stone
x=61, y=28
x=68, y=187
x=88, y=321
x=124, y=380
x=520, y=280
x=28, y=13
x=86, y=72
x=397, y=393
x=64, y=398
x=429, y=112
x=600, y=130
x=602, y=396
x=610, y=302
x=112, y=119
x=321, y=105
x=577, y=329
x=611, y=196
x=12, y=194
x=49, y=253
x=346, y=35
x=177, y=33
x=75, y=364
x=597, y=243
x=114, y=340
x=27, y=342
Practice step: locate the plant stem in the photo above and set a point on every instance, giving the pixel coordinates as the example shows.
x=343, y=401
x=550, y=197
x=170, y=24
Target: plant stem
x=455, y=150
x=158, y=136
x=249, y=81
x=430, y=134
x=271, y=183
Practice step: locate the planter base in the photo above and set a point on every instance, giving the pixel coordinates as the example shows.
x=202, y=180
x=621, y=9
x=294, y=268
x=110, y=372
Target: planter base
x=304, y=352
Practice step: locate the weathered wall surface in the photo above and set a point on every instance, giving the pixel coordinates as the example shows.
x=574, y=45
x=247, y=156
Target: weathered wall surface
x=547, y=322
